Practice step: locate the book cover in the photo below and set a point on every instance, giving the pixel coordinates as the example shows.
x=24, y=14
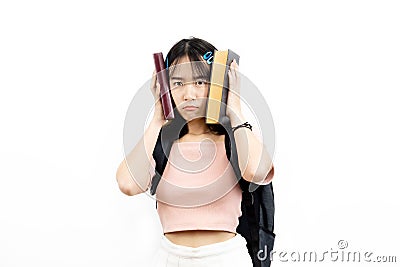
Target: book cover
x=162, y=79
x=218, y=92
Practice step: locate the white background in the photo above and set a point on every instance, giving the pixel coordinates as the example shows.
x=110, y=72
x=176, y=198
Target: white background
x=329, y=71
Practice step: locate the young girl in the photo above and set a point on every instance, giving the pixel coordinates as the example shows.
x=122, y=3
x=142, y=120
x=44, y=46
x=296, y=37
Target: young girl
x=199, y=199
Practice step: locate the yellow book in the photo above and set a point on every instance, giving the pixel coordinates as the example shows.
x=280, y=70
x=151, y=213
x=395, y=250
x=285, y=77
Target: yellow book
x=218, y=91
x=216, y=86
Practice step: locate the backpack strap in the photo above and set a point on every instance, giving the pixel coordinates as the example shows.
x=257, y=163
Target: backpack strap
x=161, y=151
x=231, y=152
x=166, y=137
x=267, y=211
x=250, y=209
x=257, y=221
x=161, y=159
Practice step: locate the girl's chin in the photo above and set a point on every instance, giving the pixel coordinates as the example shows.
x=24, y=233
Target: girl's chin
x=189, y=117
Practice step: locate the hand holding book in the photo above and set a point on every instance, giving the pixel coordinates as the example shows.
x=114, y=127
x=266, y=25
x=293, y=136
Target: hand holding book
x=162, y=77
x=155, y=90
x=233, y=101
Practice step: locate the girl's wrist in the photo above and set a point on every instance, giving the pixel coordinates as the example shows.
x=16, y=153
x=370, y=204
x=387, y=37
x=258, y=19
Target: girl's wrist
x=237, y=118
x=157, y=122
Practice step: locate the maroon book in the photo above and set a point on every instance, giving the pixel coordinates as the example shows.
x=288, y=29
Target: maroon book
x=162, y=79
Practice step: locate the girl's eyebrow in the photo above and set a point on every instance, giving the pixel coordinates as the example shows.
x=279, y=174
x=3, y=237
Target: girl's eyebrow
x=194, y=78
x=200, y=77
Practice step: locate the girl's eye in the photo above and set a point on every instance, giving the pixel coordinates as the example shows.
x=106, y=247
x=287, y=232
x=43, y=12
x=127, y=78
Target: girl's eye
x=178, y=83
x=200, y=83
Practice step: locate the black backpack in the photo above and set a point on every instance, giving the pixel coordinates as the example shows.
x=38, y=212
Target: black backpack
x=256, y=224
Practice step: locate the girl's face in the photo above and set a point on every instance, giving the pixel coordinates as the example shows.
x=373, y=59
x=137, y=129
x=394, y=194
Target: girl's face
x=189, y=88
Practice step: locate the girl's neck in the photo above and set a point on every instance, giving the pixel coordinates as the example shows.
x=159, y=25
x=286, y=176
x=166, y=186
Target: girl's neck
x=197, y=127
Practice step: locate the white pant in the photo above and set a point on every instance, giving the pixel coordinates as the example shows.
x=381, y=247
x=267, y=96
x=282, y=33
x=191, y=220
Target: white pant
x=232, y=252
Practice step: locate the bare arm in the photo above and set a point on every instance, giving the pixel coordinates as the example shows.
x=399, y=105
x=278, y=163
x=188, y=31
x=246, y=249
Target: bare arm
x=254, y=160
x=133, y=175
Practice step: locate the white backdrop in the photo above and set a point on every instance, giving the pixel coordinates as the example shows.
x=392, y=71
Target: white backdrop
x=329, y=71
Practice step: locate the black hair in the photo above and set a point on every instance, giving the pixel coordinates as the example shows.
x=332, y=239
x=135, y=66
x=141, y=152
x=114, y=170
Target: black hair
x=194, y=48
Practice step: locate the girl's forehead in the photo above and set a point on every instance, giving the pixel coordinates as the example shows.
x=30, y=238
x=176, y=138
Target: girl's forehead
x=185, y=67
x=189, y=69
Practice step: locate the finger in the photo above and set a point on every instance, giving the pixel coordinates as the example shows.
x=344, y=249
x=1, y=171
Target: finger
x=230, y=75
x=232, y=65
x=231, y=68
x=233, y=71
x=158, y=89
x=154, y=80
x=235, y=66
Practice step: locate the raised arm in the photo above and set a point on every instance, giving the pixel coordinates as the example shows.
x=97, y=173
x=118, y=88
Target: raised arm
x=255, y=162
x=133, y=175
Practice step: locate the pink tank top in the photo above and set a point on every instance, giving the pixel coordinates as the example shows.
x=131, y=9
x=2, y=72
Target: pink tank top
x=198, y=189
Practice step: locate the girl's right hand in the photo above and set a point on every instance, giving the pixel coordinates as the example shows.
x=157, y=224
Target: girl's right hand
x=155, y=90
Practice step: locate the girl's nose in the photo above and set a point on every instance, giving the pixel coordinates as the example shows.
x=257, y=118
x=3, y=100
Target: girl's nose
x=190, y=92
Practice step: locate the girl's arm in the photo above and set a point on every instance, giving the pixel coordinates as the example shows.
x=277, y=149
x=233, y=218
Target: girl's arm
x=133, y=174
x=254, y=160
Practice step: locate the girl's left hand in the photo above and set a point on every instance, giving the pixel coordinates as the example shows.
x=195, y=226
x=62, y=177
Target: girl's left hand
x=233, y=108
